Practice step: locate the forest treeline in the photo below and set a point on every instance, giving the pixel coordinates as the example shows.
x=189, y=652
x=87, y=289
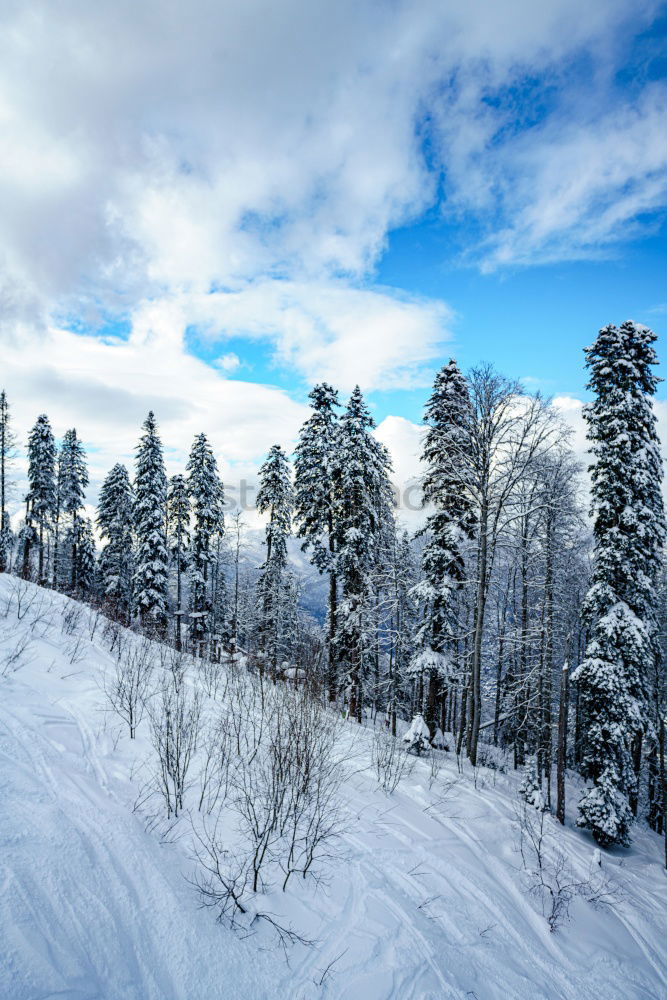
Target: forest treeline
x=510, y=619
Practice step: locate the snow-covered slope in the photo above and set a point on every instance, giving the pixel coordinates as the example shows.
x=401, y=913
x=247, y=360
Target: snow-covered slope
x=427, y=901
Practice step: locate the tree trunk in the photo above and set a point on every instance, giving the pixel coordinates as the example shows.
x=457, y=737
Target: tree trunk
x=463, y=719
x=41, y=552
x=333, y=612
x=561, y=758
x=546, y=737
x=431, y=698
x=633, y=798
x=476, y=666
x=663, y=783
x=179, y=616
x=3, y=489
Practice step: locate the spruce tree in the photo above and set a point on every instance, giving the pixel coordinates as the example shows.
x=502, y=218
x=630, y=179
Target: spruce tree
x=402, y=573
x=449, y=526
x=220, y=625
x=315, y=483
x=7, y=455
x=629, y=531
x=151, y=574
x=115, y=515
x=72, y=482
x=83, y=555
x=40, y=501
x=56, y=574
x=207, y=499
x=178, y=537
x=275, y=497
x=364, y=521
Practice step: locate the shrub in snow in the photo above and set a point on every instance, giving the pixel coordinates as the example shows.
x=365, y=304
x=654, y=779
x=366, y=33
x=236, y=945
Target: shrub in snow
x=549, y=874
x=530, y=791
x=417, y=736
x=390, y=760
x=439, y=740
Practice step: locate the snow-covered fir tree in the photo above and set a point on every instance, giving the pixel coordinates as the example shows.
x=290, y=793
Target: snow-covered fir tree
x=72, y=482
x=40, y=501
x=7, y=456
x=207, y=499
x=275, y=497
x=115, y=518
x=448, y=527
x=152, y=560
x=220, y=610
x=178, y=537
x=629, y=532
x=83, y=555
x=315, y=482
x=364, y=525
x=400, y=573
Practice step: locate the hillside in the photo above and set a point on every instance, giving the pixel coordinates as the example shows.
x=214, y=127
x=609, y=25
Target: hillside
x=425, y=900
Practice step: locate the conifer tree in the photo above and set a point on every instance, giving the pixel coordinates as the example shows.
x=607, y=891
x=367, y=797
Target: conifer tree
x=178, y=536
x=83, y=554
x=207, y=499
x=450, y=525
x=401, y=574
x=71, y=484
x=220, y=625
x=7, y=455
x=115, y=513
x=41, y=496
x=315, y=483
x=150, y=489
x=56, y=573
x=275, y=497
x=364, y=523
x=629, y=531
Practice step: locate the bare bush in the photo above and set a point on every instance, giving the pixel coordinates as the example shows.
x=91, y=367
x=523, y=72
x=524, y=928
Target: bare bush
x=114, y=635
x=223, y=886
x=434, y=764
x=72, y=618
x=173, y=662
x=175, y=722
x=549, y=874
x=284, y=773
x=75, y=648
x=216, y=754
x=390, y=760
x=211, y=673
x=29, y=605
x=15, y=656
x=129, y=687
x=20, y=600
x=93, y=621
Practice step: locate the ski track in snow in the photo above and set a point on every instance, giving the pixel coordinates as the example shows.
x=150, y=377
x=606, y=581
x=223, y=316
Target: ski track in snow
x=425, y=904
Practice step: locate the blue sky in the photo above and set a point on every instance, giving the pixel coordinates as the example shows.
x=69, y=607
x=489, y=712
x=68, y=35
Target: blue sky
x=533, y=323
x=205, y=210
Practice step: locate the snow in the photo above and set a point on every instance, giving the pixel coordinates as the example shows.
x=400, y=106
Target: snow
x=417, y=729
x=425, y=903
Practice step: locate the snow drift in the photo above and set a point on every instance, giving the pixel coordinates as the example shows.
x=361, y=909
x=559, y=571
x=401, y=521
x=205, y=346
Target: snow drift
x=427, y=898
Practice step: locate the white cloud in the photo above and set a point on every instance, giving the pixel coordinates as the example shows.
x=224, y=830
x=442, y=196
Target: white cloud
x=227, y=362
x=328, y=330
x=584, y=184
x=404, y=441
x=238, y=167
x=173, y=147
x=104, y=388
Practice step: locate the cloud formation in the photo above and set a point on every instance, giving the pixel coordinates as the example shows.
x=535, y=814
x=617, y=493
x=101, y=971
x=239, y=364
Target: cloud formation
x=164, y=146
x=237, y=168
